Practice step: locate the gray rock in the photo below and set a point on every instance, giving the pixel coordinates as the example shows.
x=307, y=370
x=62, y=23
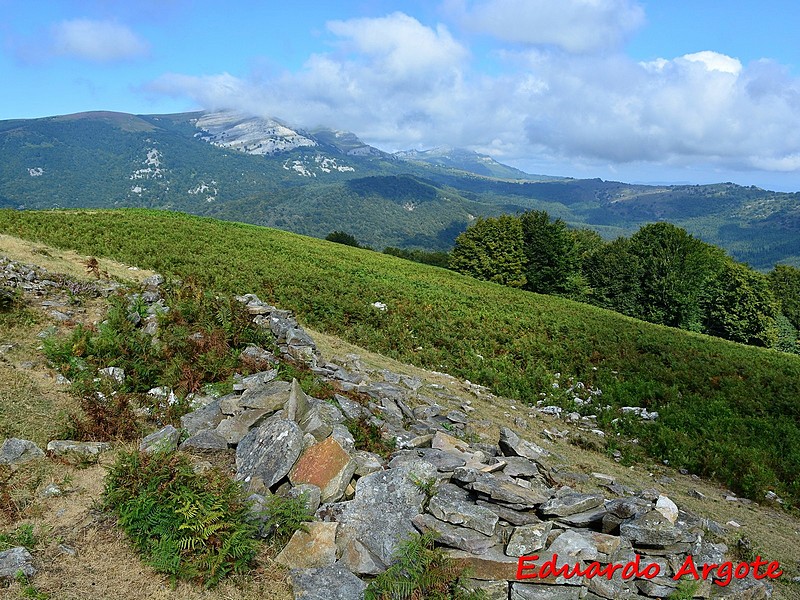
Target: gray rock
x=269, y=452
x=492, y=590
x=311, y=493
x=320, y=419
x=153, y=281
x=236, y=427
x=14, y=560
x=528, y=591
x=443, y=461
x=452, y=504
x=527, y=539
x=115, y=373
x=513, y=445
x=515, y=517
x=366, y=462
x=367, y=539
x=569, y=503
x=518, y=466
x=501, y=489
x=163, y=440
x=454, y=536
x=207, y=417
x=651, y=529
x=350, y=408
x=62, y=447
x=585, y=518
x=271, y=396
x=15, y=451
x=206, y=440
x=298, y=404
x=327, y=583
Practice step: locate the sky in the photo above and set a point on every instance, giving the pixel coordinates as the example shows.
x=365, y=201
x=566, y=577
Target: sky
x=677, y=91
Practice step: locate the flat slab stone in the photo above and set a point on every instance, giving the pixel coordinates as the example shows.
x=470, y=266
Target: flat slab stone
x=309, y=549
x=163, y=440
x=269, y=451
x=270, y=396
x=570, y=503
x=452, y=504
x=16, y=451
x=453, y=535
x=298, y=404
x=326, y=465
x=235, y=427
x=513, y=445
x=205, y=440
x=527, y=539
x=519, y=466
x=207, y=417
x=515, y=517
x=373, y=524
x=327, y=583
x=651, y=529
x=528, y=591
x=493, y=565
x=61, y=447
x=498, y=488
x=443, y=461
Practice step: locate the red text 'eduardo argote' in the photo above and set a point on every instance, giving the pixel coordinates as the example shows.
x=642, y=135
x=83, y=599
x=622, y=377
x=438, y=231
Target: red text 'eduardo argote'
x=530, y=567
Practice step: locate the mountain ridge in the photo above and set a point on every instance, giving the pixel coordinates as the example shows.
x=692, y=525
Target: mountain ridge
x=264, y=171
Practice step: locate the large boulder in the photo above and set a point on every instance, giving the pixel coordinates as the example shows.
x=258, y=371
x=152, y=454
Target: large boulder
x=326, y=465
x=268, y=452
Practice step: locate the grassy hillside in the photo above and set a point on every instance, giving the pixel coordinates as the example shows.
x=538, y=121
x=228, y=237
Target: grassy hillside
x=727, y=410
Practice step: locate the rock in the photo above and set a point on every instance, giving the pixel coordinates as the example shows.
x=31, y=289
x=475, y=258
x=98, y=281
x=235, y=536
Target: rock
x=367, y=462
x=115, y=373
x=454, y=536
x=315, y=547
x=651, y=529
x=492, y=590
x=492, y=565
x=513, y=445
x=269, y=452
x=16, y=451
x=566, y=502
x=527, y=591
x=515, y=517
x=527, y=539
x=310, y=492
x=443, y=461
x=154, y=281
x=206, y=440
x=270, y=396
x=367, y=539
x=298, y=404
x=320, y=419
x=326, y=465
x=351, y=409
x=667, y=508
x=452, y=504
x=327, y=583
x=518, y=466
x=207, y=417
x=163, y=440
x=14, y=560
x=236, y=427
x=62, y=447
x=584, y=519
x=499, y=489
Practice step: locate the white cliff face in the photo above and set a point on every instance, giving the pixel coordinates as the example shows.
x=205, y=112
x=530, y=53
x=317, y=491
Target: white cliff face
x=252, y=135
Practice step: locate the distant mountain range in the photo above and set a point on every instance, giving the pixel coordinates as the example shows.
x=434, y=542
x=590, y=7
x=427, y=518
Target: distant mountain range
x=264, y=171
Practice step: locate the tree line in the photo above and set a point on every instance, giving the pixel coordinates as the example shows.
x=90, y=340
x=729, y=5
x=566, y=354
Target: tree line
x=660, y=274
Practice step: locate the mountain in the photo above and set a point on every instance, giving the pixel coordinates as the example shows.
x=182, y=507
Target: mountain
x=268, y=172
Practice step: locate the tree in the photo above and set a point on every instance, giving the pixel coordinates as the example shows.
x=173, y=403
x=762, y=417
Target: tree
x=491, y=249
x=785, y=284
x=739, y=306
x=614, y=275
x=674, y=270
x=342, y=237
x=550, y=253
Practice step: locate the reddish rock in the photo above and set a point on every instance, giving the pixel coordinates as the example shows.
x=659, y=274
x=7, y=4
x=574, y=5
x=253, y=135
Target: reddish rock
x=326, y=465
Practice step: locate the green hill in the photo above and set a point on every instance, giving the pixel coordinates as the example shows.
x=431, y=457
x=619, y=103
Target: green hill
x=726, y=410
x=260, y=171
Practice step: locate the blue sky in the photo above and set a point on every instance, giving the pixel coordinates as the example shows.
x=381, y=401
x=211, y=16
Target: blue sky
x=654, y=91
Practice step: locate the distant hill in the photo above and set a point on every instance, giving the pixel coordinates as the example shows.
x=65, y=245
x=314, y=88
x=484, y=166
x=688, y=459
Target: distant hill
x=265, y=171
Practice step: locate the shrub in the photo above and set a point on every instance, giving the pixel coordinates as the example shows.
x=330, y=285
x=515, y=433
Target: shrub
x=421, y=571
x=284, y=516
x=368, y=436
x=188, y=526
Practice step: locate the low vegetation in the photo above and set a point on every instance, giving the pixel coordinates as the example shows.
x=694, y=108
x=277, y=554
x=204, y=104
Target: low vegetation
x=726, y=410
x=187, y=525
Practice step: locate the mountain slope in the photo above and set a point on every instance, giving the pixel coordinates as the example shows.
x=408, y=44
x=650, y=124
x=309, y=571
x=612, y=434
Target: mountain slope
x=265, y=172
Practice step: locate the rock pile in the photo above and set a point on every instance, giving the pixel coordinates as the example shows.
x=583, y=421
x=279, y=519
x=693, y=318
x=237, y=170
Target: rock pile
x=488, y=504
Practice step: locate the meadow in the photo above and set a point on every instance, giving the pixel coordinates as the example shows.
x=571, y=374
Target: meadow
x=726, y=410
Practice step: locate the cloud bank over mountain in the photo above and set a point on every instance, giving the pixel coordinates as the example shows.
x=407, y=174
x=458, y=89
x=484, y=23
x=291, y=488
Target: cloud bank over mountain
x=563, y=88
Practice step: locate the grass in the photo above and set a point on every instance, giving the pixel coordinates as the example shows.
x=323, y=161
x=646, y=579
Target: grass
x=727, y=410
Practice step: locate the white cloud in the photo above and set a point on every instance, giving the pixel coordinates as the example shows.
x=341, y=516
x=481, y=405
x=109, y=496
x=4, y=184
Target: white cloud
x=400, y=84
x=579, y=26
x=97, y=41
